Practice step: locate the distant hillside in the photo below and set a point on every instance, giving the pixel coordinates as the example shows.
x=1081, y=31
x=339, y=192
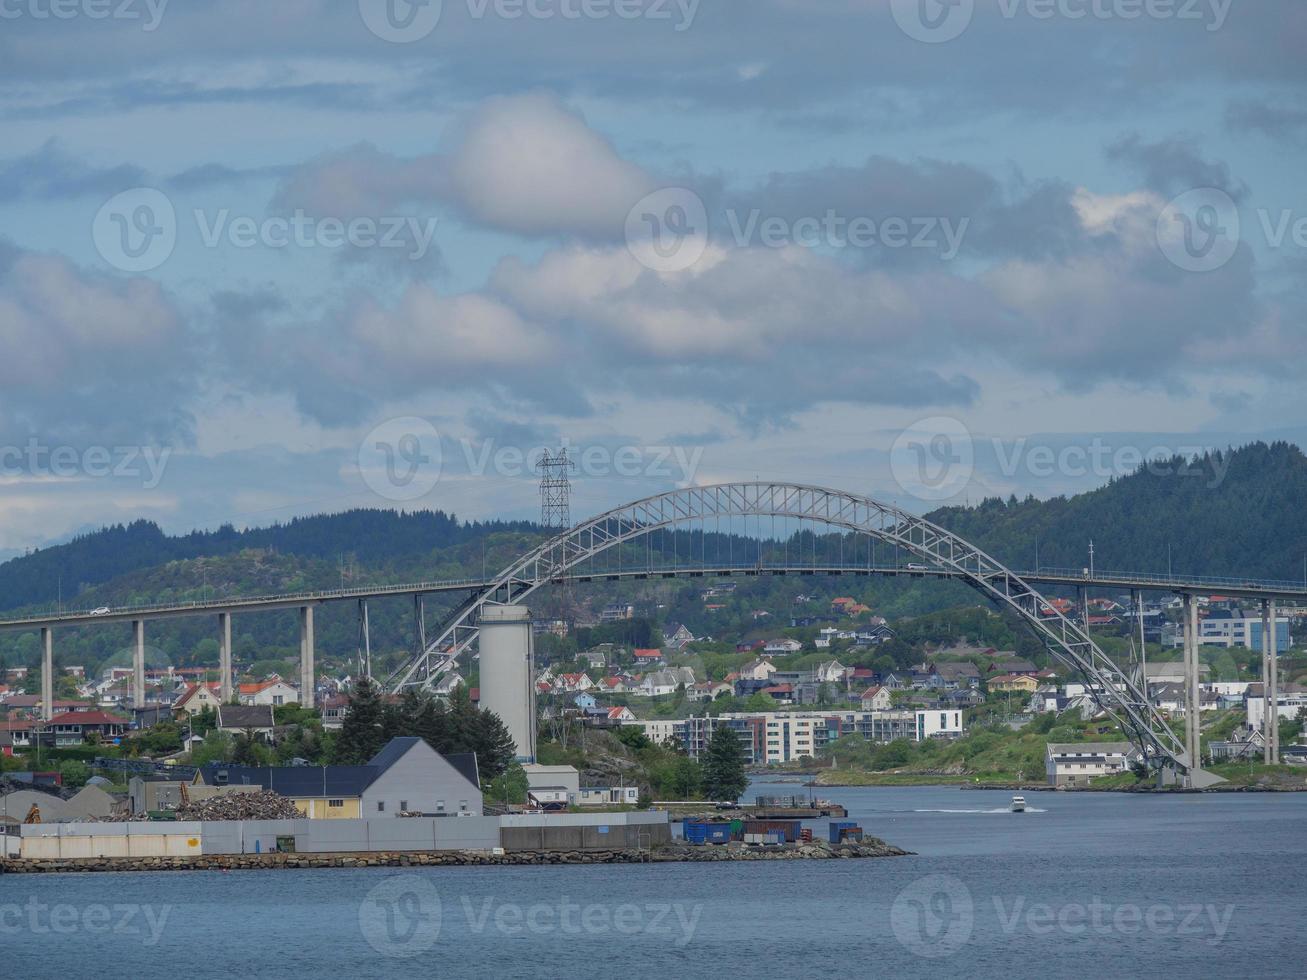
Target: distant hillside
x=369, y=537
x=1237, y=513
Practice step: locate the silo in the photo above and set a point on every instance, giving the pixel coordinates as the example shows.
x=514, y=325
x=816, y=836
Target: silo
x=506, y=674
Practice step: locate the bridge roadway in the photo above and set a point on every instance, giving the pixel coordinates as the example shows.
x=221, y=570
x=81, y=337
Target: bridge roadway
x=1182, y=585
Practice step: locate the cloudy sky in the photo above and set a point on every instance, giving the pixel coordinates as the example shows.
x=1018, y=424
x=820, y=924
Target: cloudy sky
x=259, y=260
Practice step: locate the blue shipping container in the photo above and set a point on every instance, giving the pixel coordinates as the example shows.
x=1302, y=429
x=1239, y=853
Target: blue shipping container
x=703, y=832
x=837, y=826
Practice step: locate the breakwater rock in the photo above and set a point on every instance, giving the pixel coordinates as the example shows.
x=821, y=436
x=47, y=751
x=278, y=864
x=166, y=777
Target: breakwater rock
x=867, y=848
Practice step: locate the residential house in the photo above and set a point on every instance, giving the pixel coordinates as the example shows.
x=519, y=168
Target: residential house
x=1290, y=700
x=952, y=676
x=274, y=692
x=676, y=636
x=781, y=646
x=964, y=697
x=824, y=637
x=876, y=699
x=780, y=693
x=572, y=683
x=830, y=672
x=1076, y=764
x=757, y=670
x=1013, y=683
x=646, y=658
x=1013, y=665
x=663, y=682
x=197, y=698
x=333, y=710
x=613, y=685
x=255, y=718
x=708, y=690
x=873, y=634
x=598, y=657
x=584, y=701
x=76, y=727
x=405, y=777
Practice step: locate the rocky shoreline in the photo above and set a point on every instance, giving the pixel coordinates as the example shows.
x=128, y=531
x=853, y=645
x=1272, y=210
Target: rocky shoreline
x=675, y=852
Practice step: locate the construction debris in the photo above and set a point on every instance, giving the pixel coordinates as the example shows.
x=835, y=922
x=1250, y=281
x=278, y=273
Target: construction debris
x=241, y=806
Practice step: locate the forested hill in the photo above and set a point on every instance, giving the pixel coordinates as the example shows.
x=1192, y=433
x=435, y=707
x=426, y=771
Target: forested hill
x=1238, y=513
x=370, y=537
x=1243, y=512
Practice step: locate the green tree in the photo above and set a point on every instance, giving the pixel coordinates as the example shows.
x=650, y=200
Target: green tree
x=361, y=736
x=246, y=751
x=510, y=786
x=685, y=779
x=723, y=766
x=75, y=773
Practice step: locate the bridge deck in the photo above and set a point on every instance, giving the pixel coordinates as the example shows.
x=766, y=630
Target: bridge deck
x=1202, y=585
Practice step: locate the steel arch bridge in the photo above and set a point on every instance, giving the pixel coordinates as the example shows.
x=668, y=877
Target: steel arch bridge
x=940, y=551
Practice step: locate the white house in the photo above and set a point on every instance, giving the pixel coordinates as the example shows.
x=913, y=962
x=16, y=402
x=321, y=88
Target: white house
x=572, y=683
x=876, y=699
x=1290, y=699
x=830, y=672
x=757, y=670
x=781, y=646
x=824, y=637
x=1075, y=764
x=275, y=693
x=662, y=682
x=197, y=698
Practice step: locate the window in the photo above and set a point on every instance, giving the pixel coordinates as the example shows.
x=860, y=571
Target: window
x=381, y=806
x=335, y=804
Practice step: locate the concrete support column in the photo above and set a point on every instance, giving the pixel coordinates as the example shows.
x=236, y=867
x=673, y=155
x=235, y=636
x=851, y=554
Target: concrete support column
x=307, y=671
x=1266, y=685
x=1275, y=689
x=138, y=663
x=1192, y=739
x=224, y=657
x=47, y=673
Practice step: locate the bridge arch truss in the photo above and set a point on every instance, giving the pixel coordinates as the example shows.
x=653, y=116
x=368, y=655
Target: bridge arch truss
x=557, y=560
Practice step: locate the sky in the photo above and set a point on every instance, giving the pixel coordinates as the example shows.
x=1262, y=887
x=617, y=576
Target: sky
x=261, y=260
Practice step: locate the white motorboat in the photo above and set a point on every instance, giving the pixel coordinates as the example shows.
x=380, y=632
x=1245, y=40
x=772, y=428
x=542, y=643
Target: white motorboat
x=1018, y=804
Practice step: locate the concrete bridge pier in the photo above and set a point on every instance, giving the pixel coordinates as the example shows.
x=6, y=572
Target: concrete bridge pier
x=224, y=657
x=138, y=663
x=47, y=673
x=1192, y=736
x=1270, y=686
x=307, y=670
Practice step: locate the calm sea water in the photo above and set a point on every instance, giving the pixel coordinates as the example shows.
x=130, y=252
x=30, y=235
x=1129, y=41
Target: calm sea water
x=1083, y=884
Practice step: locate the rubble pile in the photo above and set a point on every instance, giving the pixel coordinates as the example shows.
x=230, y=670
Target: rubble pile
x=241, y=806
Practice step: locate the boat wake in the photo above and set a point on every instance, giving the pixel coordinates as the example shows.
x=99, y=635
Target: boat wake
x=1001, y=809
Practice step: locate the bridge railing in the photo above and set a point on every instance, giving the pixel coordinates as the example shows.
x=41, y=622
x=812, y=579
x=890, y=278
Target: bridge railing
x=219, y=604
x=1203, y=581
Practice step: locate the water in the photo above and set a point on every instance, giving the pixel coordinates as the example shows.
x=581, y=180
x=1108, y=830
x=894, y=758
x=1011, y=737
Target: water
x=1081, y=884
